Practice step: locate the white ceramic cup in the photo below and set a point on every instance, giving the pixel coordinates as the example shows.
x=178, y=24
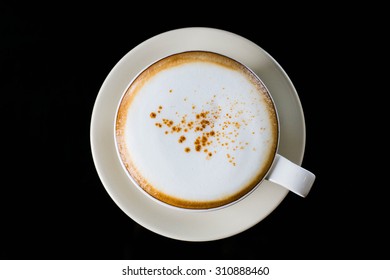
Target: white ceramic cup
x=199, y=131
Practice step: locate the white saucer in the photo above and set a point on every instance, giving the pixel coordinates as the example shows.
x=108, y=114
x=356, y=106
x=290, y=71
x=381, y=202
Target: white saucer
x=184, y=225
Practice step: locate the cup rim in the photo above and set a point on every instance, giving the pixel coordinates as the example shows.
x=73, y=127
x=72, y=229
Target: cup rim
x=174, y=207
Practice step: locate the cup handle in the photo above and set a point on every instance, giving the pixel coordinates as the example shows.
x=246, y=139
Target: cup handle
x=291, y=176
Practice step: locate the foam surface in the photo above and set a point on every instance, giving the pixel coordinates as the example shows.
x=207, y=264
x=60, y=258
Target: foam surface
x=196, y=134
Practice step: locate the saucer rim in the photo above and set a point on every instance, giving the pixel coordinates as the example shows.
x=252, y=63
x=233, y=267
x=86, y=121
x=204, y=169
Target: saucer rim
x=133, y=204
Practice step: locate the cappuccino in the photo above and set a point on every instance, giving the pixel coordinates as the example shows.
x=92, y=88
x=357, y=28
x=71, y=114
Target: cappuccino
x=196, y=130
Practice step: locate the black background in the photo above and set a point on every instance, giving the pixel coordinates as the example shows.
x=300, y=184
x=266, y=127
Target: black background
x=52, y=203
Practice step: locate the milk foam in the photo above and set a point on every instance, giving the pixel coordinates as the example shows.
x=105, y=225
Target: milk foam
x=196, y=134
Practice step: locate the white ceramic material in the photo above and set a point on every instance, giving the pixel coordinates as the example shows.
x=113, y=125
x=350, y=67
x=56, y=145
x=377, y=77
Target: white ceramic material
x=291, y=176
x=187, y=225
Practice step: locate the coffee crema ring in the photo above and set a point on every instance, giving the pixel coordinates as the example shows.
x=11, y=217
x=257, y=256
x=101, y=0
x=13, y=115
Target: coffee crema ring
x=197, y=130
